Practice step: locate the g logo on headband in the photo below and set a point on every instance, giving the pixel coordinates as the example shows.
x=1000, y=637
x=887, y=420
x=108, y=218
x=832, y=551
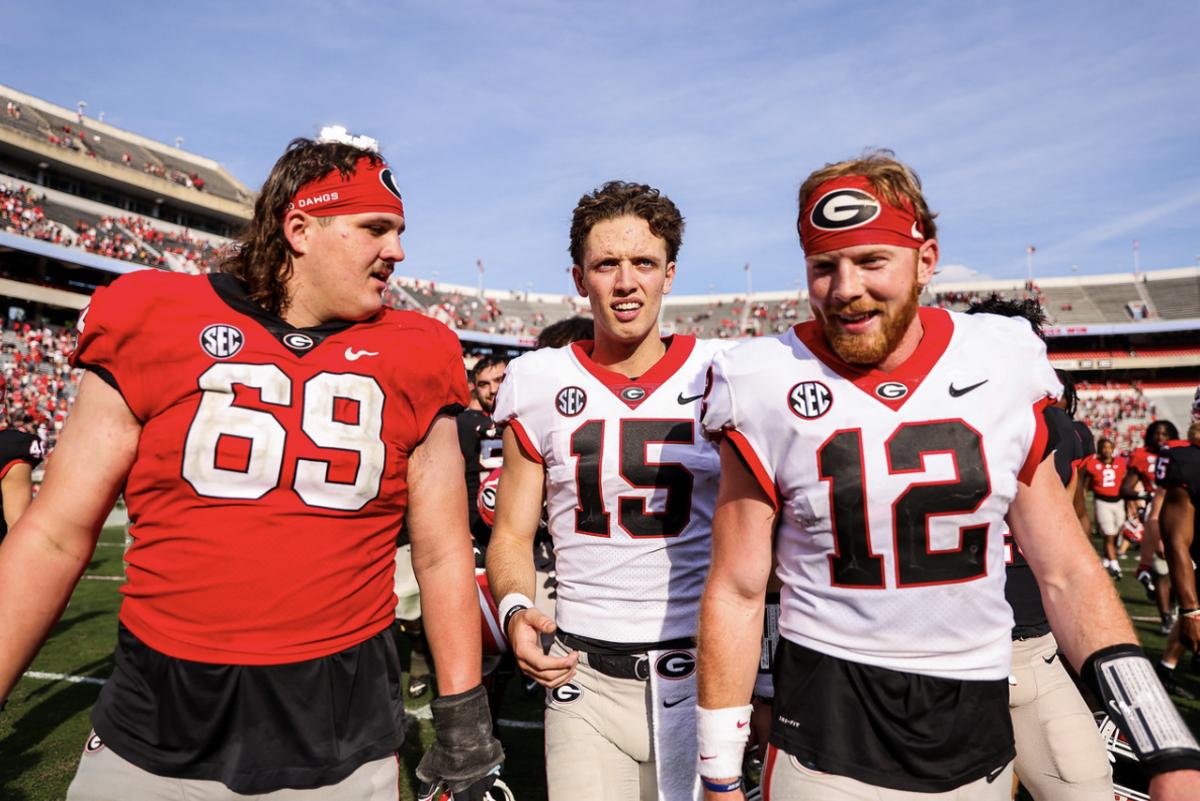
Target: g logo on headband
x=389, y=182
x=844, y=208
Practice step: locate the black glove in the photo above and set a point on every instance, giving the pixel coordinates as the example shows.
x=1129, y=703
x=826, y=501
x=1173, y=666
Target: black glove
x=465, y=758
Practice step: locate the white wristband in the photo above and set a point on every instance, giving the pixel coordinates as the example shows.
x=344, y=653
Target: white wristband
x=507, y=604
x=721, y=737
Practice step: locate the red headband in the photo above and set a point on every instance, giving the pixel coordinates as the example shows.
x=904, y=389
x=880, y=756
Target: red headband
x=848, y=211
x=371, y=187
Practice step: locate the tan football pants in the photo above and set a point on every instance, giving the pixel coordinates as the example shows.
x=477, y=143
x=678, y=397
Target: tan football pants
x=1060, y=755
x=104, y=776
x=785, y=779
x=598, y=738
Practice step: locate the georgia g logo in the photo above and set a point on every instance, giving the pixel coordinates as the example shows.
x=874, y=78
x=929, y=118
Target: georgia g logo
x=566, y=694
x=389, y=182
x=676, y=665
x=891, y=390
x=844, y=208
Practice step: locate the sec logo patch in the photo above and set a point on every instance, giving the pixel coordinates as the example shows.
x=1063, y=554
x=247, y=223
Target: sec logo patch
x=570, y=401
x=221, y=341
x=809, y=400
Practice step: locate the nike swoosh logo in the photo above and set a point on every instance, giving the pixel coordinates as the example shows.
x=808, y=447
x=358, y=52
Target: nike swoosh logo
x=1049, y=660
x=743, y=724
x=702, y=756
x=684, y=401
x=669, y=704
x=956, y=392
x=991, y=777
x=354, y=355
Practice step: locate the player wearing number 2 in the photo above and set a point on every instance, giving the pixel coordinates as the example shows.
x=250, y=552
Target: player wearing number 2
x=611, y=429
x=270, y=427
x=890, y=444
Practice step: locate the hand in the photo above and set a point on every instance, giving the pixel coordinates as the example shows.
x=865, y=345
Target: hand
x=760, y=727
x=1189, y=633
x=1177, y=785
x=525, y=630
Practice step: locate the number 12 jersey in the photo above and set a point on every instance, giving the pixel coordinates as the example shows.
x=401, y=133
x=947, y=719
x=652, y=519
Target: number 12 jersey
x=892, y=487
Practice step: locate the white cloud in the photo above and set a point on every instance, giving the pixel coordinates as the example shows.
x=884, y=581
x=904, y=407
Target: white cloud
x=954, y=273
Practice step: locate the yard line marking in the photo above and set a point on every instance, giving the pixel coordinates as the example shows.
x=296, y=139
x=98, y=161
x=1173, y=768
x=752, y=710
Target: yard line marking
x=90, y=577
x=110, y=545
x=37, y=674
x=1145, y=619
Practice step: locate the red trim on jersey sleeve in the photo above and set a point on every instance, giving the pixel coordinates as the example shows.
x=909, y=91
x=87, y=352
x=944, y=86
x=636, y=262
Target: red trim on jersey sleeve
x=4, y=470
x=679, y=348
x=524, y=441
x=1037, y=448
x=742, y=445
x=939, y=327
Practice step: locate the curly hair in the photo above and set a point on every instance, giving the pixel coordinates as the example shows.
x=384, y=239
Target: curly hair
x=890, y=177
x=619, y=199
x=262, y=259
x=1029, y=309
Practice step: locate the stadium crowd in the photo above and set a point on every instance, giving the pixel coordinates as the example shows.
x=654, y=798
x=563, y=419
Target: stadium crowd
x=39, y=383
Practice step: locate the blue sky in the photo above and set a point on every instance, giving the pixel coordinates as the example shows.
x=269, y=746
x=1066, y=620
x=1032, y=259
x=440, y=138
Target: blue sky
x=1072, y=126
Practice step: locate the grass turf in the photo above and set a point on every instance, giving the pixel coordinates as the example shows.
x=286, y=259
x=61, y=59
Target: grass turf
x=42, y=731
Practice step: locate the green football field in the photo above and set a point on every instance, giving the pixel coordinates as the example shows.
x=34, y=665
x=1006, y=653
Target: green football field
x=42, y=731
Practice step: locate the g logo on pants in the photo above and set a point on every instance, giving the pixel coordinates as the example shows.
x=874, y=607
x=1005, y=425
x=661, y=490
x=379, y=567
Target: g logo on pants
x=676, y=664
x=566, y=694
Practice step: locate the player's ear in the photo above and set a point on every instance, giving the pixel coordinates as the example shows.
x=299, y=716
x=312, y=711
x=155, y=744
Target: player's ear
x=577, y=274
x=670, y=278
x=927, y=261
x=296, y=228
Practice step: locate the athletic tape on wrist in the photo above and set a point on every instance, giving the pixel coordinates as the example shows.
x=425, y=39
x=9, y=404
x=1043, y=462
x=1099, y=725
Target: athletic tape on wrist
x=509, y=605
x=721, y=737
x=1133, y=695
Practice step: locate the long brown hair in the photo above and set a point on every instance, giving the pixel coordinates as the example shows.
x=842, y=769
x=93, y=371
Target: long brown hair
x=262, y=259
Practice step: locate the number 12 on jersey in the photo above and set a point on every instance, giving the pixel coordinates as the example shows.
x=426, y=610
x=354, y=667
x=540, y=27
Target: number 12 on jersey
x=853, y=564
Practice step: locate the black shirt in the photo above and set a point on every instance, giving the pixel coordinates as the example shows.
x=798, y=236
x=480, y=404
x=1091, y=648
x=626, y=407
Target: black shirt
x=480, y=442
x=16, y=447
x=1021, y=587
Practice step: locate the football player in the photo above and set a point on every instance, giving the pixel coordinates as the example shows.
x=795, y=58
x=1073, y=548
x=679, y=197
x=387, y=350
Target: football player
x=1177, y=473
x=892, y=443
x=20, y=452
x=1152, y=569
x=1059, y=758
x=611, y=429
x=271, y=425
x=479, y=440
x=1105, y=472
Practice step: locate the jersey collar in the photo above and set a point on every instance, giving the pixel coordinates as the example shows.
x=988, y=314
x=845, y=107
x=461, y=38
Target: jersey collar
x=894, y=388
x=633, y=392
x=299, y=341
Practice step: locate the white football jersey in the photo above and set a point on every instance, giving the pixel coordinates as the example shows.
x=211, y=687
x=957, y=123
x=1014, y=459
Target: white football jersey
x=893, y=487
x=631, y=483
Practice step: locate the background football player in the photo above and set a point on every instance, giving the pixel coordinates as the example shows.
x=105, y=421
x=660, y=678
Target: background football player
x=271, y=426
x=20, y=453
x=611, y=429
x=1105, y=472
x=886, y=442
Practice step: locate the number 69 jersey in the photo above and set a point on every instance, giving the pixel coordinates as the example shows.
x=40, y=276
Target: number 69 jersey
x=892, y=487
x=270, y=476
x=630, y=485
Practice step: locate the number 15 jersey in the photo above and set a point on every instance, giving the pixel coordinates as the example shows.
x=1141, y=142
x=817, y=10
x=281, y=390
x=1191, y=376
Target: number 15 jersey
x=892, y=487
x=630, y=485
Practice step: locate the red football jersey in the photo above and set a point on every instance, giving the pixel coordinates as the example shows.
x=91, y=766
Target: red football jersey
x=269, y=482
x=1106, y=478
x=1141, y=461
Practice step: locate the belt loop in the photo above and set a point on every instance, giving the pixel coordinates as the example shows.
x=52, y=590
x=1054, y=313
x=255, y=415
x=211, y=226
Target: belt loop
x=641, y=667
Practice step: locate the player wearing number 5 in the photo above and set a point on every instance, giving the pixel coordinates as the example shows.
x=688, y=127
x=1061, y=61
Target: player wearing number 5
x=611, y=429
x=890, y=444
x=270, y=427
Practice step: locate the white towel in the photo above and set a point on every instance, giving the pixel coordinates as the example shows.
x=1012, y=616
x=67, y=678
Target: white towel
x=673, y=694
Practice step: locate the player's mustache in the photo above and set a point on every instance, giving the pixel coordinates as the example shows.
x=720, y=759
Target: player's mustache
x=854, y=308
